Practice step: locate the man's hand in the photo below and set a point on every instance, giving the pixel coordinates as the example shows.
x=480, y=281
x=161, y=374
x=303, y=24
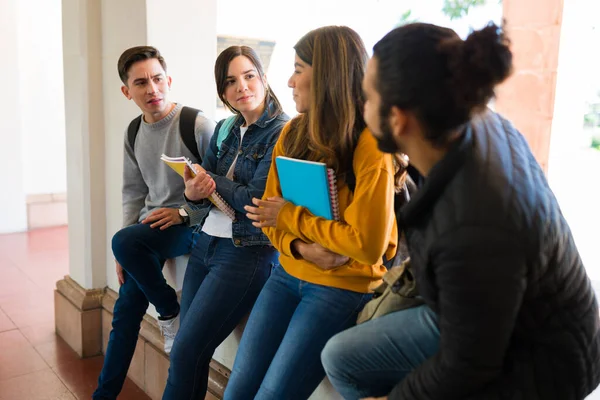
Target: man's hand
x=200, y=186
x=120, y=275
x=163, y=217
x=266, y=211
x=319, y=255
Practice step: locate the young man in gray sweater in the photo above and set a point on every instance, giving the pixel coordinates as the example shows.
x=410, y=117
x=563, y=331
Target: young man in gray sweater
x=155, y=225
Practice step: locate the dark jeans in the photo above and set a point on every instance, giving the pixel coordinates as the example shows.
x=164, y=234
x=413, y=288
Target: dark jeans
x=370, y=359
x=220, y=287
x=142, y=252
x=279, y=355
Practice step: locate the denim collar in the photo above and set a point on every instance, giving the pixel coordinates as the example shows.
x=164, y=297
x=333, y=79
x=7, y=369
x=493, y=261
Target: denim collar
x=264, y=119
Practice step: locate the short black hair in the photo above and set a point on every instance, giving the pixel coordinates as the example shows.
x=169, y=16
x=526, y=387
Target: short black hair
x=443, y=80
x=135, y=54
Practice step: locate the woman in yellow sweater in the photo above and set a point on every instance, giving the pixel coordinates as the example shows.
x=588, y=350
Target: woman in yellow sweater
x=328, y=268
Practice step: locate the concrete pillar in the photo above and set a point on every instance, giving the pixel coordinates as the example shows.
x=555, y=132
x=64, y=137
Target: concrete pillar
x=78, y=296
x=527, y=98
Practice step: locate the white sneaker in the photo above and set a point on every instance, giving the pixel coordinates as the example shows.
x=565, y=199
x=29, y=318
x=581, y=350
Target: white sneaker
x=169, y=329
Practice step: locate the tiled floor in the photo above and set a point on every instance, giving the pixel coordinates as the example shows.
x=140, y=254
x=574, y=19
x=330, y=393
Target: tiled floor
x=35, y=364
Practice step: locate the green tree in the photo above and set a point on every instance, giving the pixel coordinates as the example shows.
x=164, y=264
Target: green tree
x=453, y=9
x=456, y=9
x=406, y=18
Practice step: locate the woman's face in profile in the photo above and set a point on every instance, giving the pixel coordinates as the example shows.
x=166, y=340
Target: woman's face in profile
x=300, y=84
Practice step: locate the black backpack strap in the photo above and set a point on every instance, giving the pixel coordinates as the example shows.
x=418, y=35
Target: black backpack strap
x=132, y=130
x=187, y=129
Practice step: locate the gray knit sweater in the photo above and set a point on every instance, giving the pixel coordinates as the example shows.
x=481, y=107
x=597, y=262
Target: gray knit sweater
x=148, y=183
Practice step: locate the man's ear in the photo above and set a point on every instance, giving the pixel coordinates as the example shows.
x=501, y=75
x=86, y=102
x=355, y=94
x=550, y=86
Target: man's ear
x=125, y=91
x=169, y=81
x=398, y=119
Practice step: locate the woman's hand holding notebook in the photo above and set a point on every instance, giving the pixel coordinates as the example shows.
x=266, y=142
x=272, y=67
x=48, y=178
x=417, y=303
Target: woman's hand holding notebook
x=178, y=165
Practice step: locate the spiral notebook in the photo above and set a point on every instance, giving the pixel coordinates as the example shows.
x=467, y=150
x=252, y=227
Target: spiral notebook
x=178, y=165
x=309, y=184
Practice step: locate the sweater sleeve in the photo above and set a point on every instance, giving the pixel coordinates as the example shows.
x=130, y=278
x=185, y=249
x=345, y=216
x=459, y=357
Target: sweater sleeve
x=135, y=189
x=481, y=276
x=280, y=239
x=365, y=233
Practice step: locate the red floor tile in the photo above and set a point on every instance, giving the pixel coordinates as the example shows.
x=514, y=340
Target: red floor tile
x=57, y=352
x=131, y=391
x=5, y=322
x=12, y=339
x=12, y=280
x=30, y=296
x=41, y=385
x=80, y=376
x=23, y=316
x=40, y=334
x=48, y=261
x=17, y=356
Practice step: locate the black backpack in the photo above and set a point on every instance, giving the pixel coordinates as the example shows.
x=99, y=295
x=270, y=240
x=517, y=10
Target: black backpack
x=187, y=127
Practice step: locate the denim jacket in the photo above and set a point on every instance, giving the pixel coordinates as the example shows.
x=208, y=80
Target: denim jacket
x=249, y=176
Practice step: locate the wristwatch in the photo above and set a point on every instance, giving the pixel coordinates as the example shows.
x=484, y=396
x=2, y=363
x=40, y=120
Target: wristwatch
x=184, y=216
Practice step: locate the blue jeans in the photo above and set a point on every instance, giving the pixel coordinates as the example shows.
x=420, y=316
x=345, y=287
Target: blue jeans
x=370, y=359
x=142, y=252
x=220, y=287
x=278, y=357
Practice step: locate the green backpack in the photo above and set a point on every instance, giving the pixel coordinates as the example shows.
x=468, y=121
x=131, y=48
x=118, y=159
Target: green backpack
x=224, y=131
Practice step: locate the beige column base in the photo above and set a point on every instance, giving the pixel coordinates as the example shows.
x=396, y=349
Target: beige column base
x=78, y=316
x=150, y=365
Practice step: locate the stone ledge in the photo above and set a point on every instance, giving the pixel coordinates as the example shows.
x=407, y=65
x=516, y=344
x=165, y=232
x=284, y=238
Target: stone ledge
x=81, y=298
x=78, y=318
x=151, y=354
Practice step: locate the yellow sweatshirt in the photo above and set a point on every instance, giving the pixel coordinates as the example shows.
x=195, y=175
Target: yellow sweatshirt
x=367, y=230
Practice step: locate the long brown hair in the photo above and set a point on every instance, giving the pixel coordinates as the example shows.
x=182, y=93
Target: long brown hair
x=222, y=68
x=328, y=132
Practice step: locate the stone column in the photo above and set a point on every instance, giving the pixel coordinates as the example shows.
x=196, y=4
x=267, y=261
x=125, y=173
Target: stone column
x=78, y=296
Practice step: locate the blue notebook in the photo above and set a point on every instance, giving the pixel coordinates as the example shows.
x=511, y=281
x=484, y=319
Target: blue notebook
x=309, y=184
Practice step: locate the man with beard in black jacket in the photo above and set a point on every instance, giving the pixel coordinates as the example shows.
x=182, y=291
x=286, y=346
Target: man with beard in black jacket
x=509, y=310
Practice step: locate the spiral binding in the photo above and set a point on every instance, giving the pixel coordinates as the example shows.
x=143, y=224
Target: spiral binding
x=177, y=164
x=222, y=205
x=333, y=194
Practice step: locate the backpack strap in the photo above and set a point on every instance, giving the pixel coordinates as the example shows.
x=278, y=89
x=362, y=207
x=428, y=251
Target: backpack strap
x=187, y=129
x=224, y=131
x=132, y=130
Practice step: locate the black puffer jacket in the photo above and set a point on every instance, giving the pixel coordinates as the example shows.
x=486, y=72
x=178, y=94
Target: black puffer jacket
x=496, y=261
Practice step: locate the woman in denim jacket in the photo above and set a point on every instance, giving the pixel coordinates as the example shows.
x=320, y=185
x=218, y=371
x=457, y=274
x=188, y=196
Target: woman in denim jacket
x=232, y=260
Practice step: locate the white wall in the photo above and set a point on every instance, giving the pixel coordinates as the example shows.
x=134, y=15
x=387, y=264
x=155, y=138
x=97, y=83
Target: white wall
x=32, y=103
x=191, y=52
x=573, y=166
x=12, y=198
x=42, y=96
